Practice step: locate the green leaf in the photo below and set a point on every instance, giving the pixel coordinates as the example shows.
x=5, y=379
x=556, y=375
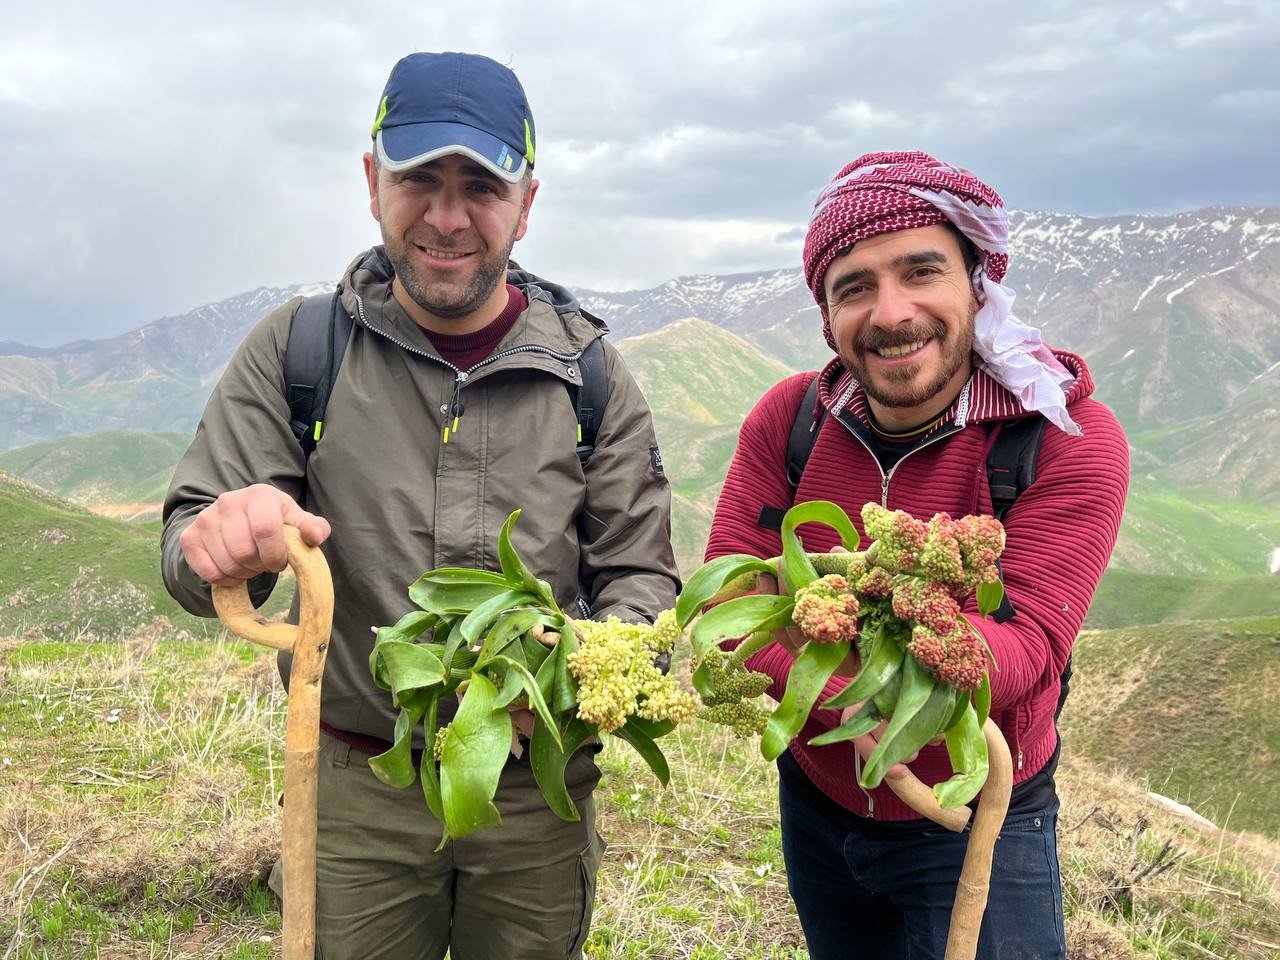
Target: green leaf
x=739, y=616
x=450, y=591
x=407, y=630
x=864, y=721
x=395, y=766
x=564, y=690
x=963, y=700
x=517, y=574
x=649, y=751
x=982, y=700
x=809, y=674
x=882, y=662
x=474, y=753
x=508, y=628
x=712, y=577
x=923, y=707
x=430, y=775
x=530, y=686
x=653, y=729
x=797, y=569
x=548, y=756
x=477, y=622
x=967, y=748
x=535, y=652
x=989, y=597
x=409, y=668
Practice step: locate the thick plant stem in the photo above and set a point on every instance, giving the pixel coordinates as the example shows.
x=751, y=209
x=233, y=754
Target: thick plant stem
x=752, y=644
x=309, y=643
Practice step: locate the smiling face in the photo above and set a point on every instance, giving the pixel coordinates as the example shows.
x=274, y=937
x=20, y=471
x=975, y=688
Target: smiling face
x=901, y=312
x=448, y=227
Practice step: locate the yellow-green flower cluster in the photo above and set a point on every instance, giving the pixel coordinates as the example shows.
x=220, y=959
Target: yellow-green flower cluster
x=732, y=694
x=437, y=747
x=617, y=677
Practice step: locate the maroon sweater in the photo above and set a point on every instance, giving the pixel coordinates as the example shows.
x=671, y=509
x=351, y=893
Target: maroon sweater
x=1060, y=534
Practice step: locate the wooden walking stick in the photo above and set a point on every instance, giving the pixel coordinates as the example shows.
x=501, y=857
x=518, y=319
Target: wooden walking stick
x=975, y=874
x=308, y=642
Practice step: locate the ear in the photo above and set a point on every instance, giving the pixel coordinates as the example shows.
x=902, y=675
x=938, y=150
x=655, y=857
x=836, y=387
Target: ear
x=525, y=204
x=371, y=176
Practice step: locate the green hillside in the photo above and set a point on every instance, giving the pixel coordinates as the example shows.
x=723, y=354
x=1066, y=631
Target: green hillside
x=122, y=466
x=1186, y=532
x=1128, y=598
x=1190, y=707
x=67, y=574
x=694, y=371
x=700, y=381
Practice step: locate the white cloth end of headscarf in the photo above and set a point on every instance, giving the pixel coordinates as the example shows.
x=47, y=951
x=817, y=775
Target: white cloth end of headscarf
x=986, y=226
x=1015, y=356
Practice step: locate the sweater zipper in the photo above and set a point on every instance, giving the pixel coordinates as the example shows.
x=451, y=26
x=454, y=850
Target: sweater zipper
x=453, y=409
x=960, y=422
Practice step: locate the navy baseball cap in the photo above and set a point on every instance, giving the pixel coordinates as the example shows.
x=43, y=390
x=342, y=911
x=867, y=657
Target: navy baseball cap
x=435, y=104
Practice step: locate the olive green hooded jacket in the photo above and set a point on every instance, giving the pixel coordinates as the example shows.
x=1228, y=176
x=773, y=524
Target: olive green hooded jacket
x=401, y=501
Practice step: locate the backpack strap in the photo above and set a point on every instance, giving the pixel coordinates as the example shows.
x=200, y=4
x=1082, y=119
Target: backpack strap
x=804, y=434
x=318, y=338
x=590, y=397
x=1011, y=462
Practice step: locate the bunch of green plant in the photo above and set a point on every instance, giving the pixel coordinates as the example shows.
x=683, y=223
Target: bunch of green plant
x=923, y=666
x=499, y=643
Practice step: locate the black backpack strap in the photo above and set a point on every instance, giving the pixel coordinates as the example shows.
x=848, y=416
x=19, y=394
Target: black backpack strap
x=317, y=341
x=590, y=397
x=1011, y=462
x=804, y=434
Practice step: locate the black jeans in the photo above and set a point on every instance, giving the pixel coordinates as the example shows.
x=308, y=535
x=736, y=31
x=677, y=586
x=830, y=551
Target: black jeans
x=862, y=896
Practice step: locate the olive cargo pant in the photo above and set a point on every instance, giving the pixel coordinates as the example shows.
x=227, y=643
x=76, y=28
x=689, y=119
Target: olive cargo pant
x=521, y=891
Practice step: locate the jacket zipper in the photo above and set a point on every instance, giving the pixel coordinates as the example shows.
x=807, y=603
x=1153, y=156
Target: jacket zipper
x=884, y=502
x=960, y=422
x=454, y=407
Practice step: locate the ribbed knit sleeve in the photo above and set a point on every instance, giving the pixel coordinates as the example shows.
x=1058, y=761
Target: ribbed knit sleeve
x=1060, y=534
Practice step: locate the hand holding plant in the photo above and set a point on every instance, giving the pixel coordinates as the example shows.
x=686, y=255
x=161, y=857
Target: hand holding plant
x=501, y=644
x=923, y=666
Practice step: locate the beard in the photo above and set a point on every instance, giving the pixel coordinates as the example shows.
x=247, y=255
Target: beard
x=898, y=388
x=451, y=299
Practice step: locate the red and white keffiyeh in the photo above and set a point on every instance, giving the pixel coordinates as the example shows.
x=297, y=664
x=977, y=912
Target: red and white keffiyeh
x=884, y=192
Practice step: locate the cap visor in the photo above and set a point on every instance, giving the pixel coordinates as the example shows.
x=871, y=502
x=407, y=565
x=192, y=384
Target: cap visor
x=413, y=144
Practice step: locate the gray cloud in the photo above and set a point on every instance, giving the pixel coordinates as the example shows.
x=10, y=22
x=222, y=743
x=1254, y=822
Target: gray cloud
x=158, y=156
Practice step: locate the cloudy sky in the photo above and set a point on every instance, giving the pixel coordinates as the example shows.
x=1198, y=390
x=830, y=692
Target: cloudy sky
x=157, y=156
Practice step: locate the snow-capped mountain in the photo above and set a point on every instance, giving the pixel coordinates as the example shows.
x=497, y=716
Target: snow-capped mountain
x=1178, y=315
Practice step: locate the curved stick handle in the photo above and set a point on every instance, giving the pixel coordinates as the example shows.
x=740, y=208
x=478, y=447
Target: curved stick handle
x=975, y=874
x=309, y=643
x=922, y=800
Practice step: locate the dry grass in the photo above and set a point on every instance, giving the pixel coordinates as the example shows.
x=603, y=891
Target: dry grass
x=138, y=812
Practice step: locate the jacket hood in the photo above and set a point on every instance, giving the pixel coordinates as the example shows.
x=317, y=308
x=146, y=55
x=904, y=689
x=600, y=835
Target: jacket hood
x=560, y=298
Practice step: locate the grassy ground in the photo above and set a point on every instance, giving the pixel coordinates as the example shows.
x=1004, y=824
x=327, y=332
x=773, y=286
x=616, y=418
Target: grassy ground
x=137, y=813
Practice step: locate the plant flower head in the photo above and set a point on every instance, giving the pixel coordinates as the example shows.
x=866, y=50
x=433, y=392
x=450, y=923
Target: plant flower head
x=617, y=677
x=826, y=610
x=899, y=537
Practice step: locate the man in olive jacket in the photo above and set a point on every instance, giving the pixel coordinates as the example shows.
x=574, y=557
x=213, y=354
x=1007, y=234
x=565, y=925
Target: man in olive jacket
x=450, y=410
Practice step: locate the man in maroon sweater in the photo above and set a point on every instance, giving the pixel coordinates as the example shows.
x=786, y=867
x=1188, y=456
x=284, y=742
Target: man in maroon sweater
x=904, y=255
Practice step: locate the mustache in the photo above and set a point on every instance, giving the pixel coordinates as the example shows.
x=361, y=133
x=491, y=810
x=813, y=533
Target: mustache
x=878, y=339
